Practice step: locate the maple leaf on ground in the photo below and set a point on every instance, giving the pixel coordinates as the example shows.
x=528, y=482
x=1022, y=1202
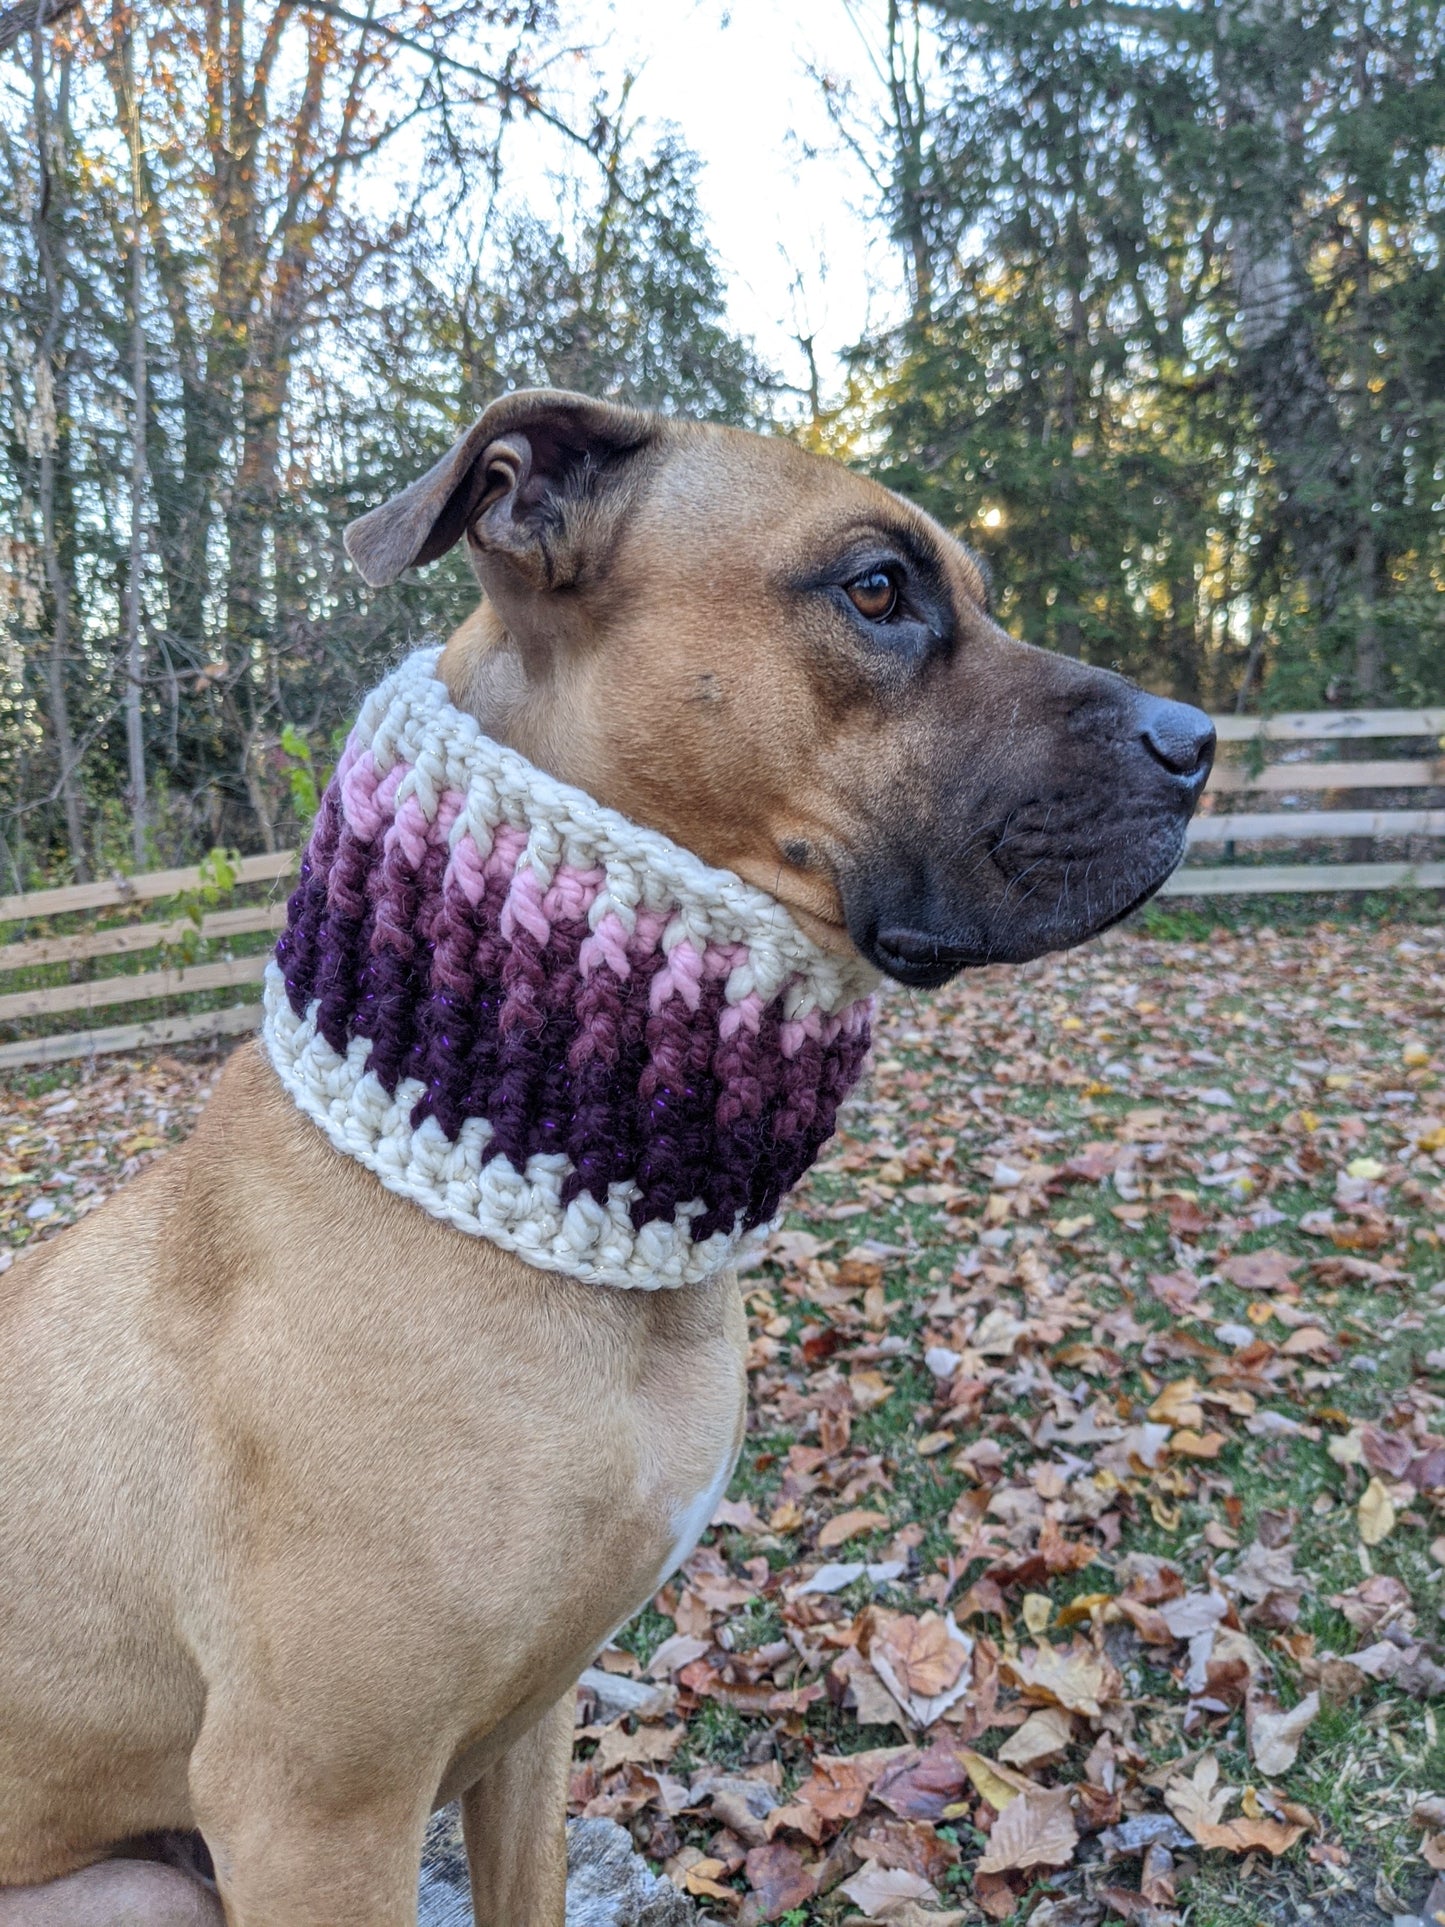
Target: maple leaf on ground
x=649, y=1745
x=1198, y=1805
x=1274, y=1735
x=1376, y=1512
x=1074, y=1677
x=874, y=1890
x=999, y=1785
x=1043, y=1738
x=923, y=1662
x=911, y=1844
x=1035, y=1830
x=848, y=1525
x=1261, y=1270
x=837, y=1789
x=922, y=1788
x=780, y=1880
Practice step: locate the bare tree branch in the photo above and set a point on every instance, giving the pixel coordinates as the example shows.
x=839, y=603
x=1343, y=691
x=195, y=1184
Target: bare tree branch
x=509, y=89
x=26, y=15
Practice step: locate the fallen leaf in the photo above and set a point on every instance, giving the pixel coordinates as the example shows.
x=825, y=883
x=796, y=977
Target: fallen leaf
x=1199, y=1803
x=874, y=1890
x=1274, y=1736
x=868, y=1389
x=649, y=1745
x=923, y=1662
x=779, y=1878
x=922, y=1788
x=1178, y=1404
x=997, y=1784
x=848, y=1525
x=1074, y=1677
x=925, y=1655
x=1260, y=1270
x=1035, y=1830
x=1376, y=1513
x=1041, y=1739
x=840, y=1783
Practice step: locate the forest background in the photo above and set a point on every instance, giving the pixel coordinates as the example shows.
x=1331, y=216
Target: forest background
x=1169, y=349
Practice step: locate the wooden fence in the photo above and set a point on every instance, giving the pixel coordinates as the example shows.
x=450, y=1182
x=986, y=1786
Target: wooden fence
x=1251, y=764
x=156, y=980
x=1259, y=759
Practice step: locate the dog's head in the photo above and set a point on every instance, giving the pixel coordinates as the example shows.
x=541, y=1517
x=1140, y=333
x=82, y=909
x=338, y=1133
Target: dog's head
x=794, y=672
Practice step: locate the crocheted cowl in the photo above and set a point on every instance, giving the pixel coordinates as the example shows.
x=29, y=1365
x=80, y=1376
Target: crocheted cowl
x=543, y=1023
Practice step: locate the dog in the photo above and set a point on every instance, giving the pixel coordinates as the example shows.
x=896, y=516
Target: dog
x=312, y=1507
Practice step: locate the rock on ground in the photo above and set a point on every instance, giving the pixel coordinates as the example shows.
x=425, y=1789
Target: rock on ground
x=609, y=1884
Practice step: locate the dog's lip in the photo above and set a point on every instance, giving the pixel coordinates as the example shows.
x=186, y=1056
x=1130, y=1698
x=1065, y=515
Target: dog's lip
x=919, y=957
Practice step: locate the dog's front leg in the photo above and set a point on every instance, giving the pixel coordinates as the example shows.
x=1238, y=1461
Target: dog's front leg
x=514, y=1820
x=291, y=1851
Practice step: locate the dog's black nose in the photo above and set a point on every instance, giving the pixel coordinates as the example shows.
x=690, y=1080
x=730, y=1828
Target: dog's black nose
x=1177, y=735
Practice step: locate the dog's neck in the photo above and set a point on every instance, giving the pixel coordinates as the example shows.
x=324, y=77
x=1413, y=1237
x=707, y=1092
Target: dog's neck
x=485, y=671
x=556, y=1029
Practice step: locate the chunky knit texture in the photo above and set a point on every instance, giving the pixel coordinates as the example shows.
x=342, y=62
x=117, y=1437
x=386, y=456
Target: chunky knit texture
x=557, y=1030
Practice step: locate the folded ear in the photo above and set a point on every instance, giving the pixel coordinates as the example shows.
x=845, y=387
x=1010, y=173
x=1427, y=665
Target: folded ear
x=519, y=483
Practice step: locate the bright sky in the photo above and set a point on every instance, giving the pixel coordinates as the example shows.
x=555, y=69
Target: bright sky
x=786, y=203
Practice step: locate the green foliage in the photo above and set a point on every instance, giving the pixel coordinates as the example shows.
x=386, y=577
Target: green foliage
x=1177, y=362
x=301, y=776
x=220, y=872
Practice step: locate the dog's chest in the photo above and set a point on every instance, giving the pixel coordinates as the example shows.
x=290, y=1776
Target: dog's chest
x=686, y=1510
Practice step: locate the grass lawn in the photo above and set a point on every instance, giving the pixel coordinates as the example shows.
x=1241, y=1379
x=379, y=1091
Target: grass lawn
x=1085, y=1555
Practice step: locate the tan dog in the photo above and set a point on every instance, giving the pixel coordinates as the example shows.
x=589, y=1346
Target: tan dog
x=313, y=1508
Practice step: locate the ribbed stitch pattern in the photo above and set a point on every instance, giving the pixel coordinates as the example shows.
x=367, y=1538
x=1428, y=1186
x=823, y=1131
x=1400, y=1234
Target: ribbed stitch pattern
x=551, y=1027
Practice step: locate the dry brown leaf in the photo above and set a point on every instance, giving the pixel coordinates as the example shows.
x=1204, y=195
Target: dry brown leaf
x=1376, y=1513
x=704, y=1879
x=869, y=1388
x=997, y=1784
x=839, y=1785
x=925, y=1655
x=649, y=1745
x=1274, y=1736
x=1074, y=1677
x=1198, y=1805
x=1260, y=1270
x=1041, y=1739
x=1035, y=1830
x=878, y=1891
x=848, y=1525
x=1178, y=1404
x=780, y=1878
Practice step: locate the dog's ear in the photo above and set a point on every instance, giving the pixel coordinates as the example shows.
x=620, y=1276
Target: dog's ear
x=522, y=484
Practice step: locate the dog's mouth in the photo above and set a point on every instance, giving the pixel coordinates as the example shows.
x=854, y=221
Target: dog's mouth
x=918, y=958
x=924, y=959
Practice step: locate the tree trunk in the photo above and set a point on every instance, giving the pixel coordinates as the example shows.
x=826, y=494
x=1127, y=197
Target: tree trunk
x=134, y=665
x=905, y=89
x=1260, y=86
x=49, y=382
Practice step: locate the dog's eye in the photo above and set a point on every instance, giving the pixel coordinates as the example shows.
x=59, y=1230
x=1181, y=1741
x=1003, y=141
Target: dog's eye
x=874, y=595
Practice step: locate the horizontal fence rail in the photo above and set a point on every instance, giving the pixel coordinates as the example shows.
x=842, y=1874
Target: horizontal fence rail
x=1308, y=755
x=166, y=962
x=1259, y=756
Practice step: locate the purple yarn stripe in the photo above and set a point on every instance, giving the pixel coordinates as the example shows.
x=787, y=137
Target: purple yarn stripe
x=615, y=1048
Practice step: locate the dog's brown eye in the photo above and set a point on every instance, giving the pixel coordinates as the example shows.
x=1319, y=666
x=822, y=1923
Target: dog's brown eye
x=875, y=595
